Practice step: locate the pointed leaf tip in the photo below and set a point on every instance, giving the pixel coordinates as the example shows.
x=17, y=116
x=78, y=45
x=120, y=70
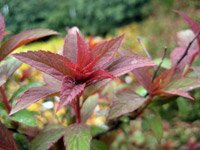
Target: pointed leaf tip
x=53, y=64
x=105, y=51
x=195, y=26
x=70, y=44
x=22, y=39
x=33, y=95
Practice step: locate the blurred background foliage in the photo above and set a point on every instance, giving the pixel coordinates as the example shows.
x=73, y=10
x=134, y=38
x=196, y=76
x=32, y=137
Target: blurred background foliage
x=154, y=21
x=92, y=17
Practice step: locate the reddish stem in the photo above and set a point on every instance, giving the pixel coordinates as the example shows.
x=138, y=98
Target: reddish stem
x=78, y=111
x=5, y=99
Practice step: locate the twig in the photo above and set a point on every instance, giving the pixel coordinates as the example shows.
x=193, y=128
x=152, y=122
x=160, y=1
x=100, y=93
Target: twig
x=187, y=49
x=144, y=48
x=158, y=68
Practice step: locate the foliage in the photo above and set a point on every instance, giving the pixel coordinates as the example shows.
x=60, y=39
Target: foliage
x=82, y=69
x=73, y=12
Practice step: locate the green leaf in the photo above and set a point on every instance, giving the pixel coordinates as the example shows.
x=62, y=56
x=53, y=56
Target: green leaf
x=125, y=102
x=96, y=130
x=23, y=88
x=89, y=106
x=77, y=137
x=155, y=124
x=98, y=145
x=22, y=141
x=184, y=84
x=184, y=106
x=2, y=110
x=25, y=117
x=8, y=68
x=145, y=125
x=47, y=137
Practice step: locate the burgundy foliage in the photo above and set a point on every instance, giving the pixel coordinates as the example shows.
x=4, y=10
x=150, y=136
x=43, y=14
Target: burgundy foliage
x=80, y=65
x=7, y=141
x=184, y=38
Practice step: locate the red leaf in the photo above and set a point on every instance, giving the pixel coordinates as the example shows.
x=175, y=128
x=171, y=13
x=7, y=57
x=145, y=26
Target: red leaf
x=124, y=103
x=52, y=82
x=84, y=53
x=143, y=76
x=105, y=51
x=183, y=40
x=7, y=141
x=177, y=93
x=53, y=64
x=162, y=80
x=92, y=88
x=69, y=91
x=22, y=39
x=33, y=95
x=99, y=75
x=2, y=27
x=126, y=64
x=188, y=59
x=193, y=24
x=70, y=45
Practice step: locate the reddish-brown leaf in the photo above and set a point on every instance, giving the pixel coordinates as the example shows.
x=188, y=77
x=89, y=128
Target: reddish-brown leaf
x=188, y=59
x=105, y=51
x=125, y=102
x=7, y=141
x=33, y=95
x=92, y=88
x=143, y=76
x=52, y=82
x=22, y=39
x=126, y=64
x=70, y=45
x=53, y=64
x=2, y=27
x=193, y=24
x=183, y=40
x=99, y=75
x=162, y=80
x=84, y=53
x=69, y=91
